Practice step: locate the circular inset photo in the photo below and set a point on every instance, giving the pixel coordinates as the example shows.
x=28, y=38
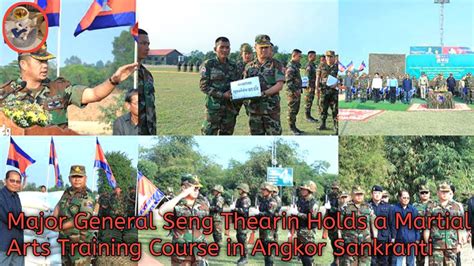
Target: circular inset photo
x=25, y=27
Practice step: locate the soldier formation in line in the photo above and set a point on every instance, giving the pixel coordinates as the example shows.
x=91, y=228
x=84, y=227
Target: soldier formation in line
x=403, y=88
x=264, y=111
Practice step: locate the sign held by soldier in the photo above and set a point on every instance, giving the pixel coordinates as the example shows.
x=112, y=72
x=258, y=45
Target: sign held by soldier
x=245, y=88
x=280, y=176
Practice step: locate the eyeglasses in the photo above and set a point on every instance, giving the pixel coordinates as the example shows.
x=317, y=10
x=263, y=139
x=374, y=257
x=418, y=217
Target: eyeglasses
x=424, y=192
x=13, y=181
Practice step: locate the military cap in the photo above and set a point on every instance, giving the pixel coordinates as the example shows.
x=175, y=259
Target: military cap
x=335, y=184
x=423, y=188
x=377, y=188
x=357, y=190
x=330, y=53
x=344, y=194
x=41, y=54
x=245, y=47
x=77, y=170
x=190, y=179
x=309, y=185
x=444, y=187
x=385, y=193
x=275, y=189
x=266, y=185
x=244, y=187
x=263, y=40
x=218, y=188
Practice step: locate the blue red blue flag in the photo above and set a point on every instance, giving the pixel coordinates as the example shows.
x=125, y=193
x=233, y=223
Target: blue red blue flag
x=350, y=66
x=134, y=32
x=53, y=160
x=342, y=68
x=107, y=14
x=101, y=162
x=18, y=158
x=52, y=8
x=149, y=196
x=362, y=66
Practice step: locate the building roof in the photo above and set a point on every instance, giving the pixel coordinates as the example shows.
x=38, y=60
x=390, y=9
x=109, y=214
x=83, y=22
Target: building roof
x=162, y=52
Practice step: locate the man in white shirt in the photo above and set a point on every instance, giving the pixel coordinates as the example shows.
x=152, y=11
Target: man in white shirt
x=423, y=85
x=376, y=86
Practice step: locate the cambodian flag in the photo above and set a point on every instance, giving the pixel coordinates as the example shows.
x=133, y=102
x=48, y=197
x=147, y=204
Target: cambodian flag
x=101, y=162
x=362, y=66
x=107, y=14
x=53, y=160
x=18, y=158
x=134, y=32
x=52, y=8
x=149, y=196
x=342, y=68
x=350, y=66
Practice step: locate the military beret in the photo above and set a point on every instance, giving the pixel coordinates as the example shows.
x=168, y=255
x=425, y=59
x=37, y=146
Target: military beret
x=377, y=188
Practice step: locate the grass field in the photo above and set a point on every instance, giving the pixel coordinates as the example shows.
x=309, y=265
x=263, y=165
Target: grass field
x=180, y=107
x=397, y=121
x=146, y=236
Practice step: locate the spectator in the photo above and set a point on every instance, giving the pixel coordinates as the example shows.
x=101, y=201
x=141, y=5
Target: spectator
x=43, y=189
x=407, y=87
x=451, y=83
x=376, y=87
x=127, y=124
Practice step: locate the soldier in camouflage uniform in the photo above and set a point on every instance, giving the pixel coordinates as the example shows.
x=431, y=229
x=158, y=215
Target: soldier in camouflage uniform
x=329, y=95
x=306, y=204
x=364, y=84
x=186, y=204
x=146, y=89
x=446, y=243
x=217, y=204
x=360, y=208
x=216, y=76
x=424, y=195
x=278, y=210
x=356, y=84
x=264, y=112
x=294, y=87
x=333, y=198
x=242, y=207
x=342, y=200
x=310, y=91
x=33, y=86
x=469, y=84
x=267, y=208
x=76, y=199
x=246, y=54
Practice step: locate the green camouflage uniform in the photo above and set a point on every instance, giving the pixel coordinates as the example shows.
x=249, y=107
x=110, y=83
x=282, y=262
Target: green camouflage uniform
x=293, y=83
x=242, y=207
x=264, y=112
x=310, y=90
x=238, y=103
x=279, y=203
x=329, y=96
x=199, y=209
x=71, y=203
x=364, y=84
x=469, y=84
x=146, y=100
x=357, y=236
x=421, y=207
x=267, y=208
x=217, y=205
x=356, y=84
x=306, y=206
x=215, y=81
x=54, y=96
x=444, y=241
x=440, y=83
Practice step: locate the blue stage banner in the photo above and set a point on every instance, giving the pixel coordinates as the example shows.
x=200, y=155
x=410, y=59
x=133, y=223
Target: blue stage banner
x=432, y=65
x=280, y=176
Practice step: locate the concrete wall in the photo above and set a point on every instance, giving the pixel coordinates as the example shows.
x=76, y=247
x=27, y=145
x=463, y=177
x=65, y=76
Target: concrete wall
x=386, y=64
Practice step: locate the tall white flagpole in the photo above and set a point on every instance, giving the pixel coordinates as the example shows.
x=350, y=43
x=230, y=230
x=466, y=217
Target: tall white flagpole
x=135, y=59
x=58, y=58
x=136, y=195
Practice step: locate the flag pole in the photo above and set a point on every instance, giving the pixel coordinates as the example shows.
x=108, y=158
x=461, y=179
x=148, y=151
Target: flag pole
x=136, y=196
x=135, y=60
x=58, y=58
x=47, y=178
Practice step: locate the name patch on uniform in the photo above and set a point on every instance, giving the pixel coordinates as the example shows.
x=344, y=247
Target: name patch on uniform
x=245, y=88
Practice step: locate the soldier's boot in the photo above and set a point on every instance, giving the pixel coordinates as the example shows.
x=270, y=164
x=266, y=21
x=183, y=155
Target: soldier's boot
x=323, y=125
x=309, y=118
x=336, y=125
x=242, y=261
x=294, y=130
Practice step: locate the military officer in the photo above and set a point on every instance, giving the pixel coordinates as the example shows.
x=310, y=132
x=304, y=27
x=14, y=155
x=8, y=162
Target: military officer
x=246, y=54
x=216, y=76
x=360, y=208
x=217, y=204
x=294, y=86
x=380, y=209
x=333, y=210
x=446, y=243
x=264, y=112
x=364, y=85
x=306, y=205
x=329, y=96
x=242, y=207
x=421, y=205
x=267, y=208
x=33, y=86
x=469, y=84
x=310, y=91
x=278, y=210
x=76, y=199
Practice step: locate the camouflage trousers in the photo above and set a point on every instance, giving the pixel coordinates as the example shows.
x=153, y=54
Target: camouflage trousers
x=293, y=107
x=241, y=236
x=147, y=121
x=363, y=95
x=329, y=100
x=267, y=236
x=443, y=257
x=304, y=237
x=265, y=124
x=219, y=122
x=308, y=99
x=74, y=260
x=363, y=260
x=217, y=233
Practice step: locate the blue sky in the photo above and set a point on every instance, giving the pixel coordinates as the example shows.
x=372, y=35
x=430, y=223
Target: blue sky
x=368, y=26
x=90, y=46
x=70, y=151
x=188, y=25
x=222, y=149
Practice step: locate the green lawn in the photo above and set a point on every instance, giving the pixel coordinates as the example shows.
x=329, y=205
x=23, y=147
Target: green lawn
x=180, y=107
x=371, y=105
x=146, y=236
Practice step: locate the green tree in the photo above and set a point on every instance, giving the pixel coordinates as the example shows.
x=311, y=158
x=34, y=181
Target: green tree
x=125, y=174
x=73, y=60
x=123, y=51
